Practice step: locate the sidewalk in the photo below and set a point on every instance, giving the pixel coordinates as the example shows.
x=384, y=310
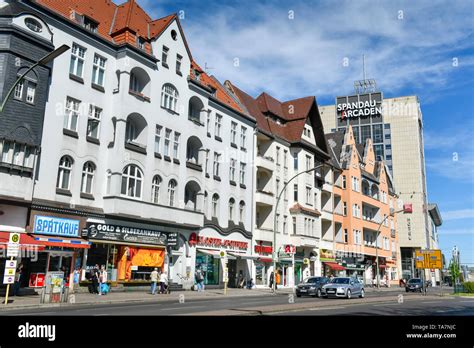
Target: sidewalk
x=33, y=301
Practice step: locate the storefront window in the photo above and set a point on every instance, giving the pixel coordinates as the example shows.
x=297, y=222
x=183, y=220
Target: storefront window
x=210, y=267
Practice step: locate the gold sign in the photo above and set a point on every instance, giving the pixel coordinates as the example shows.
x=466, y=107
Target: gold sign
x=429, y=259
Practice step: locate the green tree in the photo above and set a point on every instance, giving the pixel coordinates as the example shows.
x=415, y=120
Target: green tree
x=455, y=272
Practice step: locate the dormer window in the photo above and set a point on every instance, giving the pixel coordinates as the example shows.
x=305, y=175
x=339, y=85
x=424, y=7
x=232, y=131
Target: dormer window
x=141, y=43
x=197, y=74
x=90, y=24
x=33, y=25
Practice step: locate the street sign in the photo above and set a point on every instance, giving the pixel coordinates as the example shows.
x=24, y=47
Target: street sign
x=226, y=275
x=290, y=249
x=10, y=264
x=172, y=239
x=14, y=238
x=13, y=250
x=306, y=261
x=8, y=279
x=429, y=259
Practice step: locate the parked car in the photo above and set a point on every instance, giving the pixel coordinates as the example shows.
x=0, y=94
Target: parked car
x=414, y=284
x=343, y=287
x=311, y=286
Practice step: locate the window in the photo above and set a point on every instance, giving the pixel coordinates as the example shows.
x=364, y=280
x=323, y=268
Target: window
x=215, y=205
x=388, y=157
x=98, y=71
x=218, y=125
x=233, y=132
x=357, y=237
x=19, y=90
x=64, y=173
x=158, y=138
x=76, y=66
x=286, y=191
x=30, y=92
x=387, y=136
x=277, y=191
x=377, y=132
x=295, y=192
x=308, y=195
x=155, y=189
x=364, y=133
x=164, y=56
x=178, y=63
x=207, y=162
x=216, y=163
x=285, y=158
x=315, y=200
x=378, y=149
x=34, y=25
x=208, y=123
x=243, y=137
x=132, y=181
x=6, y=152
x=169, y=97
x=141, y=43
x=344, y=184
x=356, y=210
x=278, y=155
x=242, y=173
x=166, y=150
x=285, y=224
x=344, y=208
x=72, y=114
x=308, y=162
x=388, y=147
x=93, y=122
x=231, y=209
x=172, y=192
x=176, y=144
x=294, y=225
x=90, y=24
x=241, y=211
x=232, y=169
x=295, y=161
x=277, y=222
x=386, y=125
x=355, y=184
x=355, y=131
x=87, y=177
x=346, y=236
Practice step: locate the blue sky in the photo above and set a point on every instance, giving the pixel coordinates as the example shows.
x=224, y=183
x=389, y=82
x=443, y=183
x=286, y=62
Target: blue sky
x=297, y=48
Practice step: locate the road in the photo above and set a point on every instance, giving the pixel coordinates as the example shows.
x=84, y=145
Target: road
x=375, y=303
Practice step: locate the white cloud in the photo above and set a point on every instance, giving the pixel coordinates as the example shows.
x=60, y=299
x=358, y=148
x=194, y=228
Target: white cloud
x=455, y=165
x=459, y=231
x=304, y=56
x=458, y=214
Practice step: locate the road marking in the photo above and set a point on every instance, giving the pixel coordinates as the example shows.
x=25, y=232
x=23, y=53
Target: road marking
x=432, y=301
x=323, y=308
x=182, y=307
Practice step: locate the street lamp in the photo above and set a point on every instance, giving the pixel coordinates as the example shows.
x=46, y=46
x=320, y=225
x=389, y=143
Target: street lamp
x=275, y=255
x=43, y=61
x=407, y=209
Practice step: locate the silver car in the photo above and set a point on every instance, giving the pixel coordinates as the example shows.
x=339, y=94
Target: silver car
x=343, y=287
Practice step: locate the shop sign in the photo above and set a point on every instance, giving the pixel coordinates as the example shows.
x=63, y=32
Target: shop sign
x=327, y=255
x=56, y=226
x=222, y=243
x=116, y=233
x=172, y=239
x=262, y=249
x=366, y=105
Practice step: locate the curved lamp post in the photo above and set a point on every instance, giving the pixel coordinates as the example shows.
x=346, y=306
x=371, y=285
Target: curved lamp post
x=43, y=61
x=275, y=253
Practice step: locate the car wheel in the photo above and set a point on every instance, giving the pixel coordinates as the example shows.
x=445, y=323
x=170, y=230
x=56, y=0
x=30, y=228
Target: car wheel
x=298, y=295
x=319, y=292
x=349, y=294
x=406, y=290
x=362, y=293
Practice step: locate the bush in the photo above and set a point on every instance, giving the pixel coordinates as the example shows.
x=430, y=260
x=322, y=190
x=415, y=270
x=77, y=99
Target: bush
x=469, y=287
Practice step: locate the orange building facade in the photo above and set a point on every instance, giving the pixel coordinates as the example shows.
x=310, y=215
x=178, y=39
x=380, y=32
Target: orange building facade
x=364, y=208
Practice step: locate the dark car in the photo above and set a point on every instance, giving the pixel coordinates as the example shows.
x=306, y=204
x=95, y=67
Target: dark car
x=311, y=286
x=414, y=284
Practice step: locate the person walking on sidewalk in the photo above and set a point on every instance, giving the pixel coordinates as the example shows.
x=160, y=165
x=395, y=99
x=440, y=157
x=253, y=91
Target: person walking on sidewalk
x=271, y=280
x=102, y=281
x=199, y=280
x=18, y=280
x=95, y=279
x=154, y=280
x=163, y=282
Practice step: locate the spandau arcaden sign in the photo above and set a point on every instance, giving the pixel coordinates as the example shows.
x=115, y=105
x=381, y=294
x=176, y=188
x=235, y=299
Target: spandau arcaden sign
x=359, y=105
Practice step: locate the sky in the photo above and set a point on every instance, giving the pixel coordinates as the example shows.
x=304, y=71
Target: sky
x=292, y=49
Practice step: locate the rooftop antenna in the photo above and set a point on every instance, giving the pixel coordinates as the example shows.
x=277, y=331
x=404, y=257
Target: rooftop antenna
x=365, y=85
x=207, y=68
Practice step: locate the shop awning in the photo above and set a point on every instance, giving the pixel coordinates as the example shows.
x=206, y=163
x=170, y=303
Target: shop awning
x=243, y=256
x=27, y=242
x=64, y=242
x=335, y=266
x=265, y=259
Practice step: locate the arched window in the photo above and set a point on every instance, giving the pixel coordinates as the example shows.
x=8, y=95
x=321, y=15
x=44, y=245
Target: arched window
x=195, y=108
x=169, y=97
x=155, y=189
x=132, y=178
x=231, y=209
x=87, y=177
x=215, y=205
x=139, y=82
x=241, y=211
x=206, y=200
x=136, y=129
x=172, y=192
x=64, y=173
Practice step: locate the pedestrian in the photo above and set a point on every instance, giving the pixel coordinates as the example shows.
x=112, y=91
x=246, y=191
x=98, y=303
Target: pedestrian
x=270, y=282
x=154, y=280
x=18, y=280
x=199, y=279
x=163, y=282
x=95, y=279
x=77, y=274
x=102, y=280
x=277, y=279
x=240, y=280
